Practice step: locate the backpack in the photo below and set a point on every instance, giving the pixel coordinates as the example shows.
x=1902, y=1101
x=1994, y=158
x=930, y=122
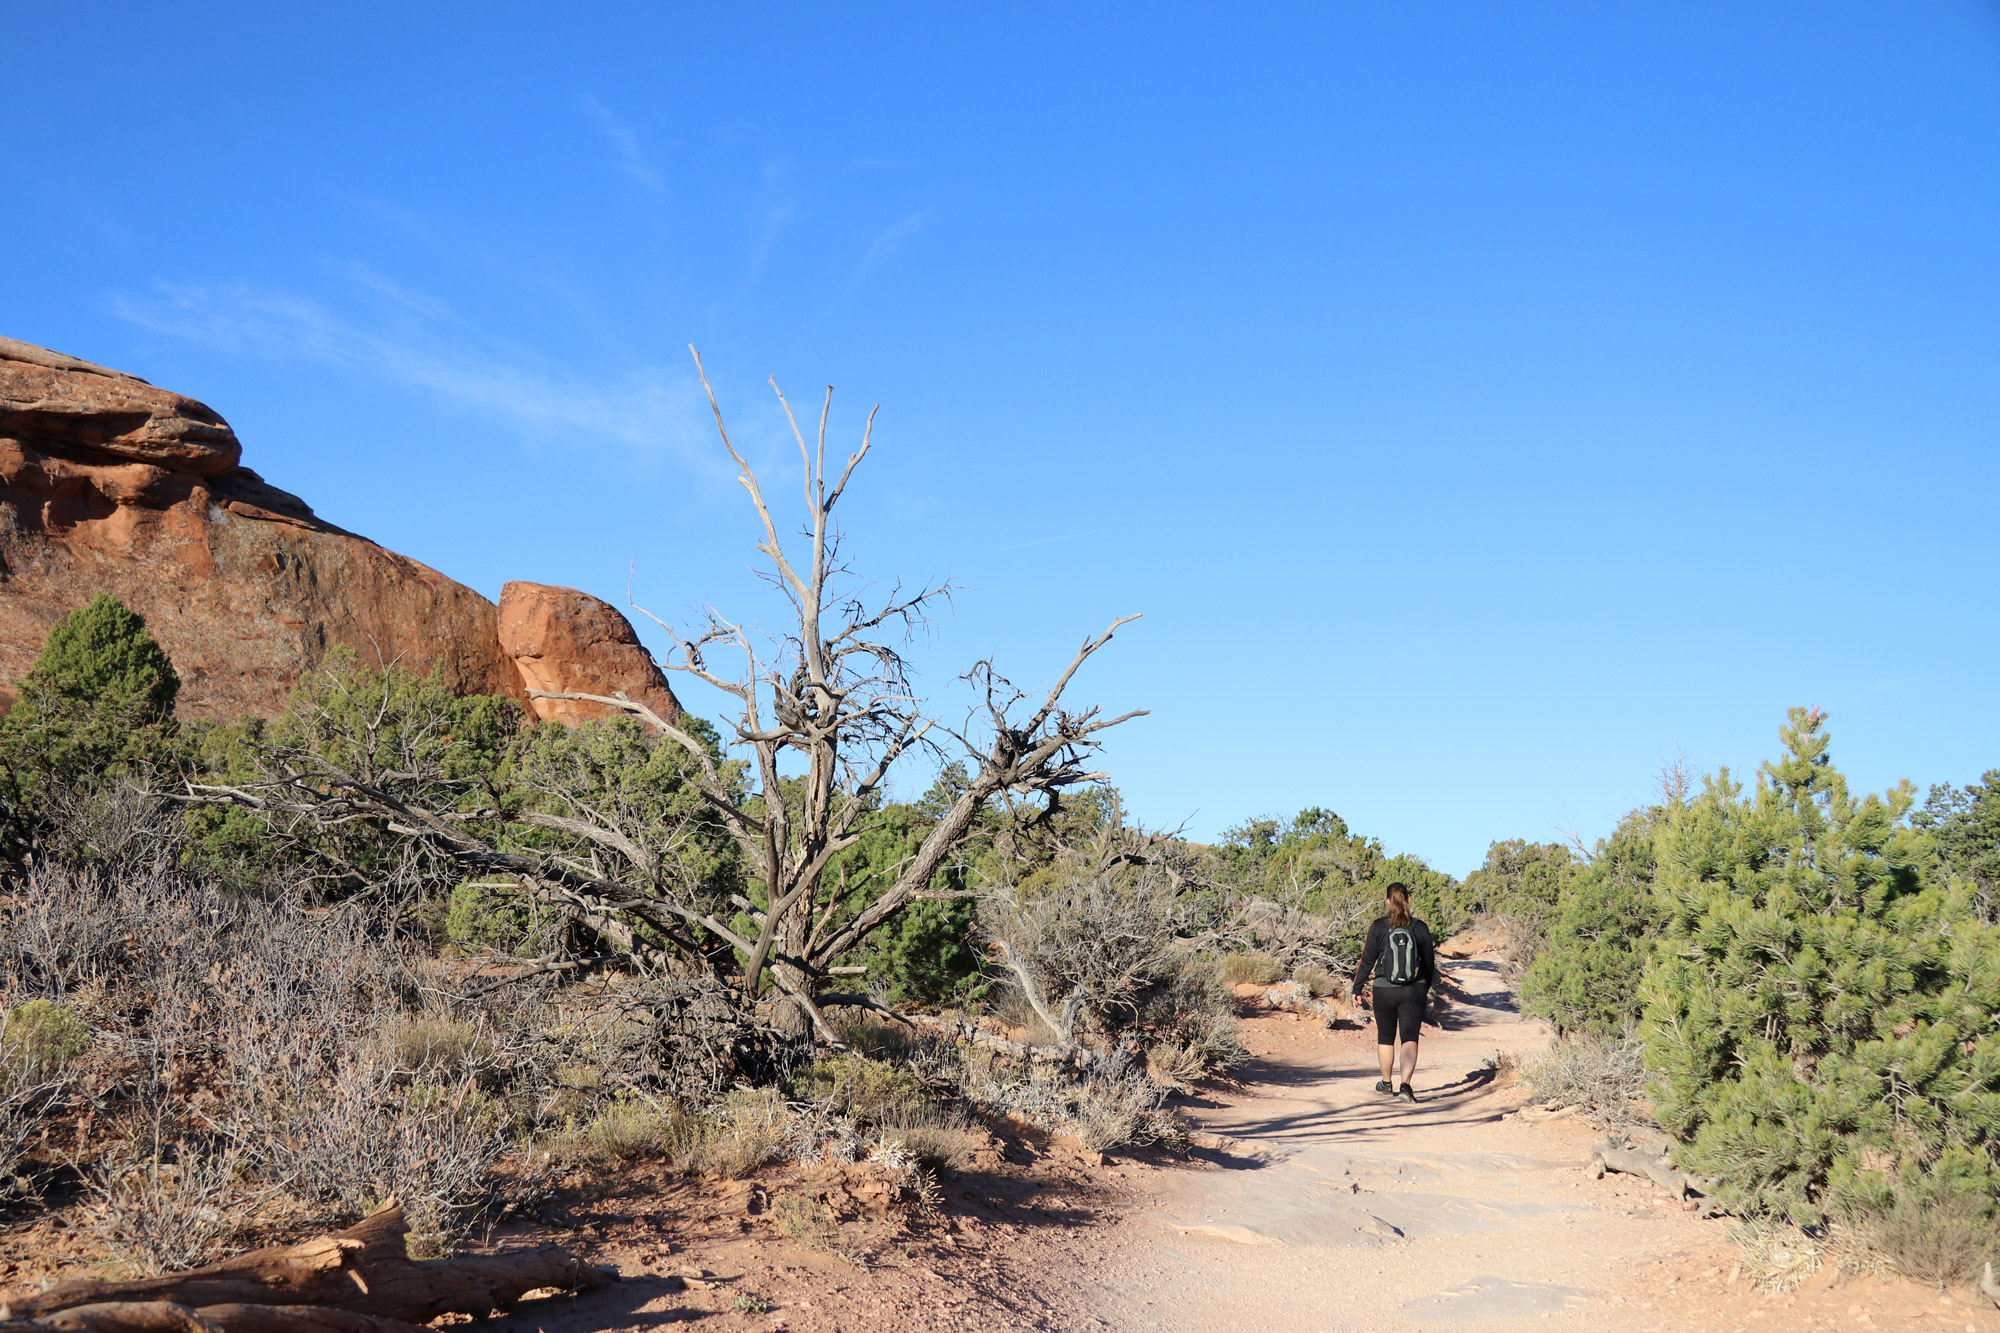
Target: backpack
x=1399, y=956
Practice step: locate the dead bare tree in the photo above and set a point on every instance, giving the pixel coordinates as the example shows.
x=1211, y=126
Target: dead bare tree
x=833, y=690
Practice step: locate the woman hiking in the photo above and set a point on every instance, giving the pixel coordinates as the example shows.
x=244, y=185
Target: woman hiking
x=1400, y=954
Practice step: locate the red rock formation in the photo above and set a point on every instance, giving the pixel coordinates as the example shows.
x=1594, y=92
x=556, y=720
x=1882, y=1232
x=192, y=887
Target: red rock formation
x=564, y=640
x=109, y=484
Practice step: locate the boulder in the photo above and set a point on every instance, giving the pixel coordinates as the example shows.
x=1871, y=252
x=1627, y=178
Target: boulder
x=109, y=484
x=563, y=640
x=49, y=400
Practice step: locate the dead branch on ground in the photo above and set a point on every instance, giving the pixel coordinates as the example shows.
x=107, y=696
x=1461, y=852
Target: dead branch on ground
x=360, y=1280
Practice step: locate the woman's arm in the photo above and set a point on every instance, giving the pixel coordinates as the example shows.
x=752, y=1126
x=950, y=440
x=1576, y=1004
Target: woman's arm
x=1369, y=952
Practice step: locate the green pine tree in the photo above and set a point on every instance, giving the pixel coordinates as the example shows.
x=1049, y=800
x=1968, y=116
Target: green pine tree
x=1965, y=827
x=99, y=699
x=1586, y=973
x=1820, y=1020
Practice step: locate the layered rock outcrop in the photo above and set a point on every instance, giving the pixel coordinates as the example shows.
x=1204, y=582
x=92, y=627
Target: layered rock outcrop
x=108, y=484
x=562, y=640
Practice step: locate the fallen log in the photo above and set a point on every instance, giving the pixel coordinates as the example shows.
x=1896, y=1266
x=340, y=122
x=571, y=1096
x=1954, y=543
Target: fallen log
x=166, y=1317
x=121, y=1317
x=1610, y=1155
x=364, y=1270
x=1540, y=1115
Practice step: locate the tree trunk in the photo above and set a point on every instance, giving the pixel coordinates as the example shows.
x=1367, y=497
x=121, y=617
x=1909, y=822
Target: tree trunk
x=166, y=1317
x=365, y=1270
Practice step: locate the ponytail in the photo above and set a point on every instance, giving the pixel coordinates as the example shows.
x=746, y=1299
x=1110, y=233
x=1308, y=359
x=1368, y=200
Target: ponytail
x=1399, y=904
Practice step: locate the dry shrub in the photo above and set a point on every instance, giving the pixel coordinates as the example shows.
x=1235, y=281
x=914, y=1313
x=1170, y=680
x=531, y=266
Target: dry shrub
x=1101, y=1112
x=1320, y=982
x=1943, y=1240
x=629, y=1128
x=1604, y=1074
x=1118, y=1113
x=1200, y=1049
x=1524, y=932
x=1288, y=995
x=439, y=1046
x=65, y=929
x=745, y=1131
x=1189, y=1019
x=167, y=1206
x=805, y=1220
x=368, y=1135
x=1251, y=969
x=1281, y=927
x=915, y=1186
x=938, y=1140
x=1090, y=935
x=869, y=1091
x=1777, y=1257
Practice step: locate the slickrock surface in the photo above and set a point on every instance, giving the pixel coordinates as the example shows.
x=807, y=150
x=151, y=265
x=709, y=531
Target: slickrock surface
x=109, y=484
x=563, y=640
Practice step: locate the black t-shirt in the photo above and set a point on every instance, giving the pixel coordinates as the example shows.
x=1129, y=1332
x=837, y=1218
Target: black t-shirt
x=1378, y=934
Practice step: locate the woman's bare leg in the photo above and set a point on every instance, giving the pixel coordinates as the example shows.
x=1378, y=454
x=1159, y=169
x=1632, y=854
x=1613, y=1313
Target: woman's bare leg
x=1386, y=1056
x=1409, y=1060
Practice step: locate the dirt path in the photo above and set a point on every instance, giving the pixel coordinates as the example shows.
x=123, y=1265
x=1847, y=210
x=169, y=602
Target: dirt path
x=1332, y=1207
x=1325, y=1207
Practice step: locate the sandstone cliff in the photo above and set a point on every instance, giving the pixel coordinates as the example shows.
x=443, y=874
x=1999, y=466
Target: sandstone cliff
x=564, y=640
x=110, y=484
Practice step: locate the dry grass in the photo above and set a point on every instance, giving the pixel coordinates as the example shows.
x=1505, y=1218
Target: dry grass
x=869, y=1091
x=1201, y=1049
x=439, y=1046
x=1943, y=1241
x=748, y=1130
x=1252, y=969
x=628, y=1129
x=938, y=1140
x=1603, y=1074
x=1777, y=1257
x=1320, y=981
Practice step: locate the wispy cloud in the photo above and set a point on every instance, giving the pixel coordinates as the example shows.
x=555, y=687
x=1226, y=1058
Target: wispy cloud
x=886, y=244
x=776, y=210
x=412, y=340
x=631, y=154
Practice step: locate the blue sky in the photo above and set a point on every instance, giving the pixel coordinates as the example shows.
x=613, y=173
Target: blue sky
x=1482, y=403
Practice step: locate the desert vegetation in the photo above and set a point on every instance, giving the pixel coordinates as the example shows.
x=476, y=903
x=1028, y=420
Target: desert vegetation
x=259, y=978
x=1797, y=985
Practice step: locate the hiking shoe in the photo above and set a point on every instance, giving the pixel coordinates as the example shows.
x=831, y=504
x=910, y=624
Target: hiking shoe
x=1382, y=1086
x=1407, y=1094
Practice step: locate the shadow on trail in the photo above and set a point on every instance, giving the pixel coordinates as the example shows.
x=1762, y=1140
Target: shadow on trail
x=1285, y=1073
x=613, y=1305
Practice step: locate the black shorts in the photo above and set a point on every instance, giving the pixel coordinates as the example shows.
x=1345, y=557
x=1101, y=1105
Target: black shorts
x=1399, y=1011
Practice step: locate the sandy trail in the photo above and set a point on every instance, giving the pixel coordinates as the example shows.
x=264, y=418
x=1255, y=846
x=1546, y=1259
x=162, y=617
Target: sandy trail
x=1326, y=1207
x=1335, y=1208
